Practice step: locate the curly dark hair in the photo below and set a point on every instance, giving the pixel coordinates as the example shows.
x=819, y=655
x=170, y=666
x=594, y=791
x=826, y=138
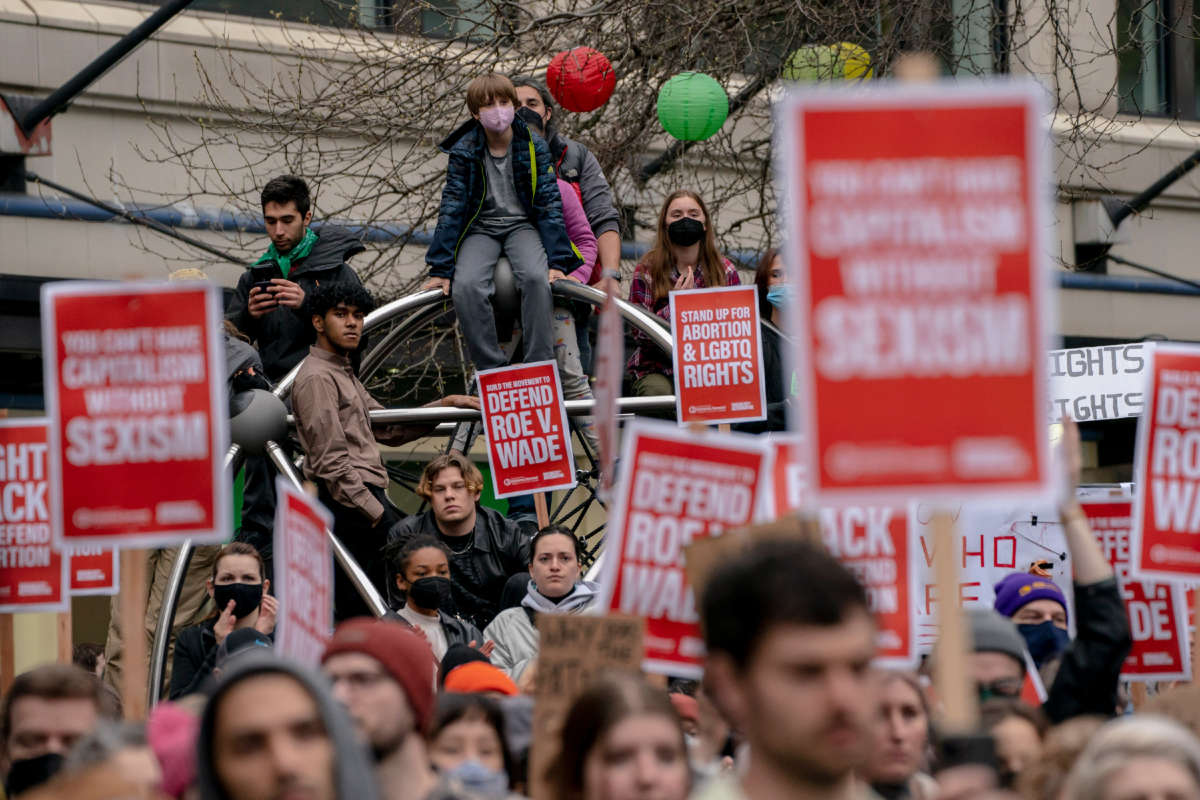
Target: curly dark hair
x=400, y=552
x=330, y=295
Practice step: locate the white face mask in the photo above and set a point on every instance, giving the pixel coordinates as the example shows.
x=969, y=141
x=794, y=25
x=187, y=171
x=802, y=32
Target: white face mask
x=497, y=119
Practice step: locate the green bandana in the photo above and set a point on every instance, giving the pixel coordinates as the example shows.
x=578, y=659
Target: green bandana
x=299, y=251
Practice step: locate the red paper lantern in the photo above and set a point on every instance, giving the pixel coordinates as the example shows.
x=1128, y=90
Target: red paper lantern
x=581, y=79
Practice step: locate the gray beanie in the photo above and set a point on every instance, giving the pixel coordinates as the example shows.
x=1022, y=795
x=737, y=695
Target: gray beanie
x=993, y=633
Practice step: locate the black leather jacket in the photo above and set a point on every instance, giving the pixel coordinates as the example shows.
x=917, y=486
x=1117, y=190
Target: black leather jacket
x=499, y=550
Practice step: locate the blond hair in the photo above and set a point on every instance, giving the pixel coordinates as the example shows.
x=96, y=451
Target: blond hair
x=470, y=473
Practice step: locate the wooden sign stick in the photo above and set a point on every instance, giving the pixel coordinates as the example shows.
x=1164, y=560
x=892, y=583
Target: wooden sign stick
x=543, y=514
x=134, y=675
x=952, y=679
x=8, y=665
x=66, y=644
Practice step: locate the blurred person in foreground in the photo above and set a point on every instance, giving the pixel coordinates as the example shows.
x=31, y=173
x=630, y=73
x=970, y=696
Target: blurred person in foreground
x=273, y=731
x=46, y=712
x=467, y=745
x=382, y=673
x=1137, y=758
x=1017, y=730
x=621, y=740
x=900, y=752
x=124, y=746
x=790, y=641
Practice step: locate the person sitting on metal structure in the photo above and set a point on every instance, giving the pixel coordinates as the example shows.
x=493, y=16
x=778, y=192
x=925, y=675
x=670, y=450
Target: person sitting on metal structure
x=485, y=548
x=500, y=196
x=334, y=426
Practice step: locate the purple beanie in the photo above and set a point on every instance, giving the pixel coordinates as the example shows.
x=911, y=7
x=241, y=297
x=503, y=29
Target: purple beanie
x=1020, y=588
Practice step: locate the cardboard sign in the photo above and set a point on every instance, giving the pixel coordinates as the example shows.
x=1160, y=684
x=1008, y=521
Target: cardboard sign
x=917, y=224
x=573, y=652
x=1157, y=611
x=528, y=436
x=675, y=487
x=989, y=544
x=94, y=571
x=1096, y=383
x=717, y=356
x=303, y=574
x=1166, y=470
x=610, y=368
x=136, y=401
x=33, y=573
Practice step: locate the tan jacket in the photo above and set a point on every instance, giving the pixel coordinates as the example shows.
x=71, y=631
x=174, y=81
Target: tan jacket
x=334, y=427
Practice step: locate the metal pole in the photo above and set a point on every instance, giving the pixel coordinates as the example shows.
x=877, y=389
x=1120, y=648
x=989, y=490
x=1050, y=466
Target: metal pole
x=64, y=94
x=359, y=578
x=166, y=619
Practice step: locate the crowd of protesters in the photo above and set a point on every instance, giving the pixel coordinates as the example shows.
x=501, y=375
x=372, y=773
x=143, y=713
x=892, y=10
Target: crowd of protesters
x=435, y=699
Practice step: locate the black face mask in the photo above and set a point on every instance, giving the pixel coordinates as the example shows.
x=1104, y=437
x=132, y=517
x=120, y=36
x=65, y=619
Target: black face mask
x=685, y=232
x=532, y=119
x=30, y=773
x=1044, y=640
x=246, y=597
x=430, y=593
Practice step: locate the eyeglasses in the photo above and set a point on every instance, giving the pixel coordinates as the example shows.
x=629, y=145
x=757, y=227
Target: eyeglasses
x=1005, y=687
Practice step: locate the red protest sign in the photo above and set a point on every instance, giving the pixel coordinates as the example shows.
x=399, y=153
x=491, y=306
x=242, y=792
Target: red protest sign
x=94, y=571
x=135, y=394
x=916, y=222
x=675, y=487
x=873, y=542
x=528, y=436
x=788, y=483
x=303, y=574
x=33, y=574
x=1166, y=508
x=718, y=355
x=1157, y=611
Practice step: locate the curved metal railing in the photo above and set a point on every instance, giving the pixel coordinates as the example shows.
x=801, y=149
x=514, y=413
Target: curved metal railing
x=418, y=307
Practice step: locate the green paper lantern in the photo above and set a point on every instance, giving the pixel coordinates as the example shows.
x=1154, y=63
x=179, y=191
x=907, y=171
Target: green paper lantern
x=692, y=106
x=833, y=62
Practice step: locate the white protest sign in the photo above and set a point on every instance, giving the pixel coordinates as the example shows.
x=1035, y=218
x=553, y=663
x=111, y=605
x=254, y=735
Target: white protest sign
x=1097, y=383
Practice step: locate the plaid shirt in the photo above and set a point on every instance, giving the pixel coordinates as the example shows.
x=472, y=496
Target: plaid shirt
x=647, y=358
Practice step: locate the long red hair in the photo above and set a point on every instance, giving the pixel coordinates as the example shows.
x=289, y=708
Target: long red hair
x=660, y=262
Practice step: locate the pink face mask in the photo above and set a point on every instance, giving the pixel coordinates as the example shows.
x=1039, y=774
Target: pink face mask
x=496, y=118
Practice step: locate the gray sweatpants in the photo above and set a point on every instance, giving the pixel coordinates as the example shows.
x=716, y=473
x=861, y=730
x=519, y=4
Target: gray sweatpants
x=474, y=283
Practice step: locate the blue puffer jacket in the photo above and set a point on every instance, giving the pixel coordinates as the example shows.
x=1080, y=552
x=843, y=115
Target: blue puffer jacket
x=462, y=197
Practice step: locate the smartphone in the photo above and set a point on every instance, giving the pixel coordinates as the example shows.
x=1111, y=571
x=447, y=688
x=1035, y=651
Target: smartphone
x=263, y=285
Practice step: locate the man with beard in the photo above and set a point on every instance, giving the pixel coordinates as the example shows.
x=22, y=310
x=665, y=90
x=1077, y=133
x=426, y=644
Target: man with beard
x=790, y=641
x=382, y=672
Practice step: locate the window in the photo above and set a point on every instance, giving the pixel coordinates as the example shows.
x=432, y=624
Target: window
x=1142, y=46
x=455, y=19
x=1157, y=72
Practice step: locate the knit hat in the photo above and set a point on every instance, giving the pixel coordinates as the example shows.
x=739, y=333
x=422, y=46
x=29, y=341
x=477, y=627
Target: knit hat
x=456, y=656
x=405, y=656
x=1020, y=588
x=239, y=640
x=171, y=732
x=479, y=676
x=992, y=633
